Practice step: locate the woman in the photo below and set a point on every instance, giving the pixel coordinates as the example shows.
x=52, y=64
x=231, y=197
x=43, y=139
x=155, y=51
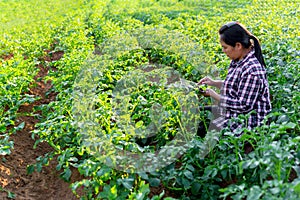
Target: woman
x=245, y=89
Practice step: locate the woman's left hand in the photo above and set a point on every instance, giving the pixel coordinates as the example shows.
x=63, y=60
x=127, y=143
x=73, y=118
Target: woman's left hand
x=207, y=92
x=211, y=93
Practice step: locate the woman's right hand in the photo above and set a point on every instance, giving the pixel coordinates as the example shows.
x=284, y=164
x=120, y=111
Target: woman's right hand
x=207, y=81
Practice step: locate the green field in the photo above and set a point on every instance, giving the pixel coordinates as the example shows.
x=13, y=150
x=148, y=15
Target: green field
x=93, y=44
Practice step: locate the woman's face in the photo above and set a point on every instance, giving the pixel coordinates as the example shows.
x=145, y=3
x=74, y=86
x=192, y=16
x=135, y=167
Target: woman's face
x=234, y=53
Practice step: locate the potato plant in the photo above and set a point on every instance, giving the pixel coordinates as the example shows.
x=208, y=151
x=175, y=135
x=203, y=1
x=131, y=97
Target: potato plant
x=179, y=34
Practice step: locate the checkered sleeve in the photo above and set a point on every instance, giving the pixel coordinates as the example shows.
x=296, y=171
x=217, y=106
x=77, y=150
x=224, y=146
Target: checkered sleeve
x=244, y=100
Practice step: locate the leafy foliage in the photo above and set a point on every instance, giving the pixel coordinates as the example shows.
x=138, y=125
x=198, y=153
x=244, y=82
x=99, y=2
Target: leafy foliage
x=261, y=164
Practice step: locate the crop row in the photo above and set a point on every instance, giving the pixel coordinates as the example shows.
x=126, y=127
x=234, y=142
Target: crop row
x=115, y=38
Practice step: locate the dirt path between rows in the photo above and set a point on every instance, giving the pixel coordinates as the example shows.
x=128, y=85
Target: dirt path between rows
x=45, y=185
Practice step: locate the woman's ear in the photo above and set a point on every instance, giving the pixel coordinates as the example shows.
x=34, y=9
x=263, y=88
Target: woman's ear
x=238, y=45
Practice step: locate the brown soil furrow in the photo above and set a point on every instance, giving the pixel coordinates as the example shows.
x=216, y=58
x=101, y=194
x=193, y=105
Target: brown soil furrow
x=13, y=177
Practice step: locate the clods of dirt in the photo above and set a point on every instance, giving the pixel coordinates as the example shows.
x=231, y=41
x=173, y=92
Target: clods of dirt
x=13, y=168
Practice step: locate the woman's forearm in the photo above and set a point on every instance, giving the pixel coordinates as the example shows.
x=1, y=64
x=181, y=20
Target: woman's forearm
x=218, y=83
x=216, y=96
x=213, y=94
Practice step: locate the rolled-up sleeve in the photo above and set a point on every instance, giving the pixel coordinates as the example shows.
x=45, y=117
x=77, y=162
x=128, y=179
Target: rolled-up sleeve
x=244, y=100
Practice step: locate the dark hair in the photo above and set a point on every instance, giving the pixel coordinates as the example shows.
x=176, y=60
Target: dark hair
x=234, y=32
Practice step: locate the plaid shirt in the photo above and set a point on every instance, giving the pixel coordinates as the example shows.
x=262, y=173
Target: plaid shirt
x=244, y=91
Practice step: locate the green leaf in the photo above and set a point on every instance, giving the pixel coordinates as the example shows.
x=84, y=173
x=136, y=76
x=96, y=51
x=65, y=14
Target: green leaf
x=39, y=166
x=195, y=188
x=275, y=190
x=290, y=125
x=104, y=170
x=154, y=182
x=139, y=124
x=282, y=118
x=20, y=126
x=30, y=169
x=142, y=192
x=297, y=188
x=143, y=175
x=2, y=128
x=127, y=182
x=73, y=159
x=185, y=182
x=66, y=174
x=255, y=193
x=5, y=150
x=113, y=192
x=11, y=195
x=188, y=174
x=190, y=167
x=108, y=192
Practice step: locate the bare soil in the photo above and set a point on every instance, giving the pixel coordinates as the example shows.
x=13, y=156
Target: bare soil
x=13, y=168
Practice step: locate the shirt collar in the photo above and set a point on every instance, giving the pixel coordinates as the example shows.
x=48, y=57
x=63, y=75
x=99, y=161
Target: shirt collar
x=237, y=63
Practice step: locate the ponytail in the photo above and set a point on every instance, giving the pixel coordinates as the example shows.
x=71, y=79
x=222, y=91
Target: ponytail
x=234, y=32
x=257, y=49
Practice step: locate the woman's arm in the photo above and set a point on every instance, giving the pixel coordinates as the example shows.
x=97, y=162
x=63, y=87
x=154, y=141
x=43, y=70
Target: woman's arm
x=213, y=94
x=218, y=83
x=211, y=82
